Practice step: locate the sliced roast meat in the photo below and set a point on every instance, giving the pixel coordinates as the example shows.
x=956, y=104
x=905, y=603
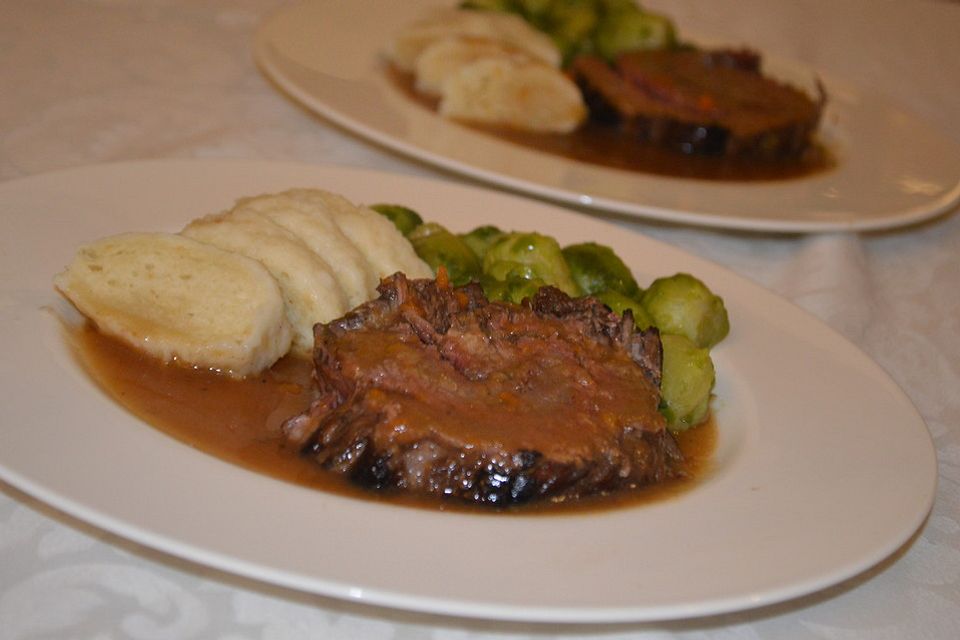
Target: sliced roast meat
x=700, y=101
x=434, y=390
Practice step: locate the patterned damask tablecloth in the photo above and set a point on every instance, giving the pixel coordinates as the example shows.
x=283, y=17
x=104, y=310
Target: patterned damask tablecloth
x=110, y=80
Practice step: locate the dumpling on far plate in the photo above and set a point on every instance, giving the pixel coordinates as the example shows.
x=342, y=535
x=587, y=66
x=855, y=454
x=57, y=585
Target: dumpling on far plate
x=506, y=92
x=404, y=49
x=445, y=57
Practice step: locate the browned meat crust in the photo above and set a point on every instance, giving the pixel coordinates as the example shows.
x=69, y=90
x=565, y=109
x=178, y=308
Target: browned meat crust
x=435, y=390
x=711, y=102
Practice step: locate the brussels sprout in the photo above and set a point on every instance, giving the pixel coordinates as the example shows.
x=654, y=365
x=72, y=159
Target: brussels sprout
x=612, y=6
x=494, y=289
x=508, y=269
x=481, y=238
x=438, y=246
x=540, y=256
x=686, y=383
x=405, y=219
x=489, y=5
x=529, y=9
x=570, y=23
x=682, y=305
x=512, y=289
x=596, y=267
x=533, y=8
x=619, y=303
x=626, y=28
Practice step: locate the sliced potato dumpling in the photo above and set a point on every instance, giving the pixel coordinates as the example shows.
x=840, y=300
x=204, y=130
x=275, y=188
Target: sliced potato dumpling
x=310, y=290
x=302, y=212
x=523, y=95
x=445, y=57
x=383, y=246
x=404, y=49
x=180, y=300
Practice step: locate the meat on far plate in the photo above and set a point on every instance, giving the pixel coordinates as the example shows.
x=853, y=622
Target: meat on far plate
x=433, y=390
x=713, y=102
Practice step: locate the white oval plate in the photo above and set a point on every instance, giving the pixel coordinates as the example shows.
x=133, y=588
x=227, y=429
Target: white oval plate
x=893, y=169
x=823, y=466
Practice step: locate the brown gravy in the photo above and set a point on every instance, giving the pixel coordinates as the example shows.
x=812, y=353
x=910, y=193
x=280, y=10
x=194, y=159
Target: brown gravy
x=606, y=146
x=239, y=421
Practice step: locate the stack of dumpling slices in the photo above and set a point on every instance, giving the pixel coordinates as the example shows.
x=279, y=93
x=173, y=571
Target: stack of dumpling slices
x=238, y=290
x=489, y=68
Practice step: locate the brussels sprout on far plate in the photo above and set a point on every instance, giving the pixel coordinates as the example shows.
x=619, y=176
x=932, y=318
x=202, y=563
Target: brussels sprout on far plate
x=489, y=5
x=628, y=28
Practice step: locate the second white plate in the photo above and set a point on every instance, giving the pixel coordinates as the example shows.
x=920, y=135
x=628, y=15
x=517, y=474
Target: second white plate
x=892, y=168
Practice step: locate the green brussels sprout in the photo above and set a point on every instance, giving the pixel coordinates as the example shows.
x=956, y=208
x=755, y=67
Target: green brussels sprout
x=596, y=268
x=540, y=256
x=619, y=303
x=528, y=9
x=506, y=6
x=626, y=28
x=512, y=289
x=606, y=27
x=508, y=269
x=683, y=305
x=611, y=6
x=686, y=384
x=494, y=289
x=405, y=218
x=533, y=8
x=481, y=238
x=571, y=23
x=438, y=246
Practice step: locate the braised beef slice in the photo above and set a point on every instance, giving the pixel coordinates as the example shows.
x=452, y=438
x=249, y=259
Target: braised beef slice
x=437, y=391
x=696, y=101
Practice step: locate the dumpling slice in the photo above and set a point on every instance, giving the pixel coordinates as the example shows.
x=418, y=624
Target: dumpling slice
x=180, y=300
x=303, y=213
x=506, y=92
x=374, y=236
x=445, y=57
x=311, y=293
x=404, y=49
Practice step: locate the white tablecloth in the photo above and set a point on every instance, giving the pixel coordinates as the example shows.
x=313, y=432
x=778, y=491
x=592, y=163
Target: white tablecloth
x=109, y=80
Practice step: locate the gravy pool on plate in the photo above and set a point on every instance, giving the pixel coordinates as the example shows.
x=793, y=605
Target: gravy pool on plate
x=239, y=420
